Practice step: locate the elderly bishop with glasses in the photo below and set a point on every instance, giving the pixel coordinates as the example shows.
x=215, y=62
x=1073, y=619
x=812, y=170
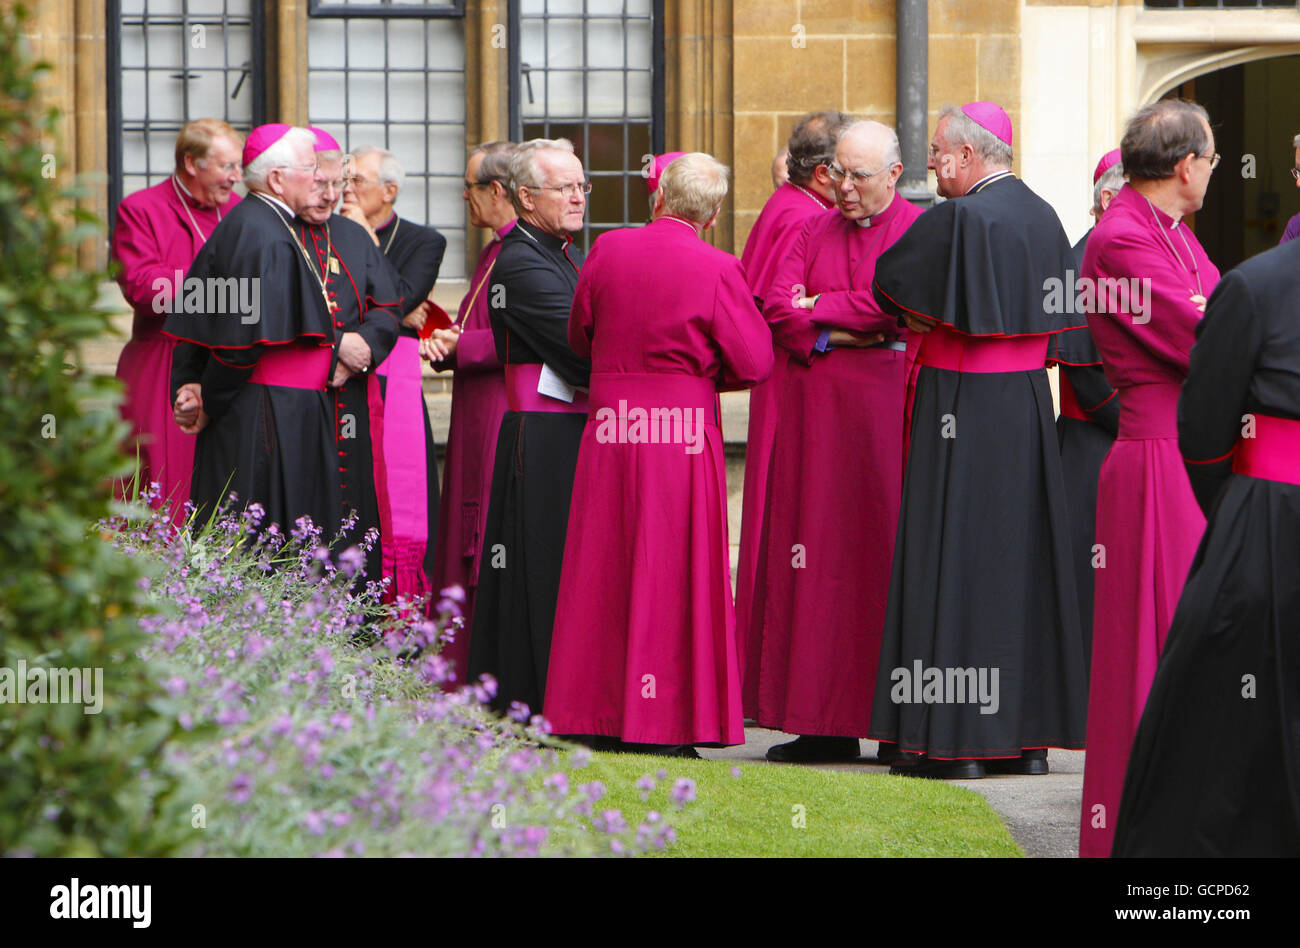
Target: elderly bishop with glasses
x=529, y=295
x=825, y=607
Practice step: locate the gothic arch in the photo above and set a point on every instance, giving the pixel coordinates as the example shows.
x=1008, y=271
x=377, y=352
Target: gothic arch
x=1167, y=68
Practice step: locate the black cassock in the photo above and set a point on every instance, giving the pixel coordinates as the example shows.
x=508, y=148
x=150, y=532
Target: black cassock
x=1215, y=766
x=982, y=575
x=532, y=479
x=360, y=284
x=1085, y=430
x=270, y=444
x=415, y=253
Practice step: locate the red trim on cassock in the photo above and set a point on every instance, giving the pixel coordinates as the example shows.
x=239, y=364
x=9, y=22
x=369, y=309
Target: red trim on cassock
x=1213, y=460
x=974, y=335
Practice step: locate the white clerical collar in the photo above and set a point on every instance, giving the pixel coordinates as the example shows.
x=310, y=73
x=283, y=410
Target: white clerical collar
x=272, y=199
x=181, y=184
x=986, y=180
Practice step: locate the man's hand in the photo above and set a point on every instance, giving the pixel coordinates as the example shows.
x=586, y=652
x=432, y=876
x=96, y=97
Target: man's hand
x=341, y=375
x=440, y=345
x=353, y=212
x=858, y=340
x=415, y=318
x=806, y=302
x=354, y=352
x=188, y=405
x=1198, y=301
x=919, y=323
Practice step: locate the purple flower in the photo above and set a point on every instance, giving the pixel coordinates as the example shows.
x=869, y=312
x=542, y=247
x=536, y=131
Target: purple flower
x=352, y=560
x=616, y=846
x=645, y=785
x=240, y=789
x=315, y=823
x=326, y=660
x=683, y=791
x=518, y=711
x=559, y=783
x=176, y=685
x=283, y=726
x=735, y=772
x=661, y=774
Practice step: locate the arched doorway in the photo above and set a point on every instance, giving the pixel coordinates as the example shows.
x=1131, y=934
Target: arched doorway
x=1255, y=111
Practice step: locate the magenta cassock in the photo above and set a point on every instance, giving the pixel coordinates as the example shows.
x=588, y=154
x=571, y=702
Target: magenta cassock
x=644, y=644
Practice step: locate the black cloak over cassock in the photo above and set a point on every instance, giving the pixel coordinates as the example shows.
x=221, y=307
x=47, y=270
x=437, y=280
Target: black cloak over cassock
x=415, y=253
x=982, y=578
x=362, y=288
x=1215, y=766
x=537, y=455
x=269, y=444
x=1084, y=442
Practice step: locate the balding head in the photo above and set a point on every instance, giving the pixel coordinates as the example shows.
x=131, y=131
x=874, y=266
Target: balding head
x=868, y=163
x=693, y=187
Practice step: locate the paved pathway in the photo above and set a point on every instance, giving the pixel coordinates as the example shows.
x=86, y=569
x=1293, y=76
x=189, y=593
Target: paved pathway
x=1042, y=813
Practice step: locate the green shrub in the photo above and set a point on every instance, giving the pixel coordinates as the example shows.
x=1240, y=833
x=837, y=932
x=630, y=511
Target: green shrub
x=68, y=779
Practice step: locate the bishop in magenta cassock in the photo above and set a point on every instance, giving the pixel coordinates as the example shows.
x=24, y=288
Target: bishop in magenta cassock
x=981, y=665
x=1229, y=676
x=478, y=398
x=830, y=544
x=807, y=191
x=1148, y=521
x=410, y=460
x=157, y=235
x=644, y=647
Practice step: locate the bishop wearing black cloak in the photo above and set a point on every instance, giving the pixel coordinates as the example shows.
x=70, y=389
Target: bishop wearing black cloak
x=260, y=361
x=1229, y=676
x=982, y=664
x=532, y=288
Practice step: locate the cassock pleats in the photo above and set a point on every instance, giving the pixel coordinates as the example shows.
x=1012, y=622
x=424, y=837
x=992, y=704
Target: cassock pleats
x=983, y=512
x=523, y=551
x=1215, y=764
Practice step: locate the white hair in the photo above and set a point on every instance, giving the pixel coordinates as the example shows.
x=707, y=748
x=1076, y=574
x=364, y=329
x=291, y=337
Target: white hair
x=892, y=152
x=694, y=187
x=524, y=172
x=1112, y=179
x=390, y=169
x=280, y=155
x=964, y=130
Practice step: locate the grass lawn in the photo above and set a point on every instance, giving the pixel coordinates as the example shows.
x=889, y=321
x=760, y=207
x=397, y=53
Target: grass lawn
x=843, y=813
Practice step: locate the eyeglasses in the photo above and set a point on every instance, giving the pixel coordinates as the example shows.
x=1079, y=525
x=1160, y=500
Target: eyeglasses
x=859, y=177
x=228, y=168
x=353, y=180
x=477, y=184
x=1212, y=159
x=311, y=168
x=566, y=190
x=1295, y=173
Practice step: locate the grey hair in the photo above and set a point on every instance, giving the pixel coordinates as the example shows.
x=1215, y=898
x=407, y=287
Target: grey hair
x=812, y=143
x=390, y=169
x=1295, y=142
x=1112, y=179
x=495, y=165
x=893, y=153
x=964, y=130
x=524, y=172
x=694, y=187
x=279, y=155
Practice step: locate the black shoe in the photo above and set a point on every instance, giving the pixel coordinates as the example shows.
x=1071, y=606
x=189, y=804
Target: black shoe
x=889, y=753
x=811, y=749
x=596, y=742
x=939, y=769
x=1031, y=763
x=662, y=750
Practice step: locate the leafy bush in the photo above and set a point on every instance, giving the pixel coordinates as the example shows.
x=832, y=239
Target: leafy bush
x=67, y=778
x=299, y=738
